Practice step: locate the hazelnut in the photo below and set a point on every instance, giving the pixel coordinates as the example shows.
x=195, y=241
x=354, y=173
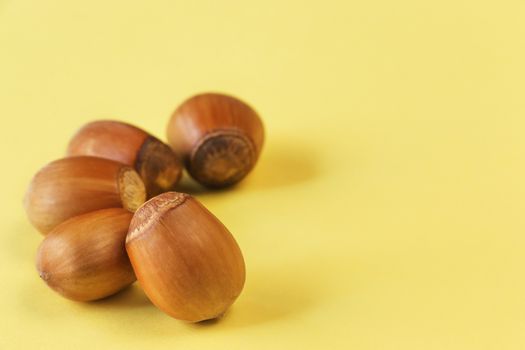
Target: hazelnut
x=84, y=258
x=72, y=186
x=185, y=259
x=159, y=167
x=218, y=136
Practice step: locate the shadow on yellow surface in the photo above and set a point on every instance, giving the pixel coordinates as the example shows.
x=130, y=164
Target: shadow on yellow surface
x=188, y=185
x=130, y=297
x=268, y=297
x=283, y=163
x=271, y=296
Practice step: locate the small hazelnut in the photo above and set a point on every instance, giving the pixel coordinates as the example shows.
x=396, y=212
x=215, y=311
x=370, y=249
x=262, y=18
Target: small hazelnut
x=84, y=258
x=218, y=136
x=72, y=186
x=159, y=167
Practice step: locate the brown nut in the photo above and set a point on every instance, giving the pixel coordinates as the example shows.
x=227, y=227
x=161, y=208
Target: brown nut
x=72, y=186
x=159, y=167
x=218, y=136
x=84, y=258
x=187, y=262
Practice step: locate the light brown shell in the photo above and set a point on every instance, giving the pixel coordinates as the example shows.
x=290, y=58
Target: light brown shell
x=159, y=167
x=219, y=137
x=77, y=185
x=185, y=259
x=84, y=258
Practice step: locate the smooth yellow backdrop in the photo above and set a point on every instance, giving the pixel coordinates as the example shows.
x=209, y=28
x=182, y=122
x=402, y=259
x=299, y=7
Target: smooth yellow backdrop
x=386, y=212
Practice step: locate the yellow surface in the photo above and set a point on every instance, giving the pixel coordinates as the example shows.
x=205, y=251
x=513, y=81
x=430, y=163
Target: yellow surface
x=387, y=210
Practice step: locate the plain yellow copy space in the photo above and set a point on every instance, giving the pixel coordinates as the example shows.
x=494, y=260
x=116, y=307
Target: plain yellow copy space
x=387, y=209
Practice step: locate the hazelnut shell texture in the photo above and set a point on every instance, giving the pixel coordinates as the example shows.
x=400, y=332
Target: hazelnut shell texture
x=185, y=259
x=77, y=185
x=159, y=167
x=84, y=258
x=218, y=136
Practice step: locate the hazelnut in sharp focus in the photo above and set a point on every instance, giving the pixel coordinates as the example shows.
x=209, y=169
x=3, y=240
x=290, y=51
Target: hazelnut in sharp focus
x=219, y=137
x=72, y=186
x=185, y=259
x=159, y=167
x=84, y=258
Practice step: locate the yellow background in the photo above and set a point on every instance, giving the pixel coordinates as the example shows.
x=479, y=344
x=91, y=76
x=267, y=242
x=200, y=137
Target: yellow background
x=386, y=212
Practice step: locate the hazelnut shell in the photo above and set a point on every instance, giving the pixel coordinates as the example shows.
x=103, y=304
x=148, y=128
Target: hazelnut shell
x=84, y=258
x=218, y=136
x=185, y=259
x=159, y=167
x=77, y=185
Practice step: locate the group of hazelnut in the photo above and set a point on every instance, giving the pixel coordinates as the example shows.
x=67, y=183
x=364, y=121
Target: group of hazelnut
x=100, y=232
